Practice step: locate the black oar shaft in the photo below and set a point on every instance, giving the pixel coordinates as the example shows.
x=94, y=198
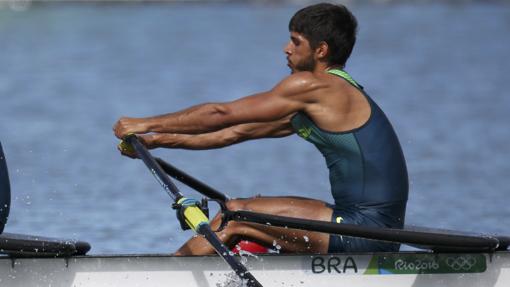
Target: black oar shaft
x=221, y=249
x=191, y=181
x=202, y=227
x=437, y=241
x=154, y=167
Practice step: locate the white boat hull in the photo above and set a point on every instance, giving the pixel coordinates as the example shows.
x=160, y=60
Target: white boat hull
x=382, y=269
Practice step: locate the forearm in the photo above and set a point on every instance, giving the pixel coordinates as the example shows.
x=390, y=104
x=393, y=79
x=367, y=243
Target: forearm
x=221, y=138
x=186, y=141
x=197, y=119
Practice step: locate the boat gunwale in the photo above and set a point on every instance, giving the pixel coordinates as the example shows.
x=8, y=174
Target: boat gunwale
x=266, y=255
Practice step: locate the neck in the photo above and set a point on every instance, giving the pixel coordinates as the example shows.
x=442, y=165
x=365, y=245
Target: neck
x=323, y=67
x=334, y=67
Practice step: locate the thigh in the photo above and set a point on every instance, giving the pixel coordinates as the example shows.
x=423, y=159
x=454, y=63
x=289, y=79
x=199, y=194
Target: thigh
x=290, y=240
x=298, y=207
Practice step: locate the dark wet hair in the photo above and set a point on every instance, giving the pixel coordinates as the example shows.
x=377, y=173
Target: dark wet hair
x=333, y=24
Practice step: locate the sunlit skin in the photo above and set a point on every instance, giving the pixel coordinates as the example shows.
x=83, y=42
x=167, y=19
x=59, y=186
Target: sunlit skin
x=299, y=54
x=331, y=102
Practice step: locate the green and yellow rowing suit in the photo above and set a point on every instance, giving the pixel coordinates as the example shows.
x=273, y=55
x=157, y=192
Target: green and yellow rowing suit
x=367, y=172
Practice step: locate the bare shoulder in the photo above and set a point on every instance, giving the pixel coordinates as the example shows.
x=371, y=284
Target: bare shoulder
x=300, y=83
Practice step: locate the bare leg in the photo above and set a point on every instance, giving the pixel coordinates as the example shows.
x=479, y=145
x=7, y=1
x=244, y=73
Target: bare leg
x=290, y=240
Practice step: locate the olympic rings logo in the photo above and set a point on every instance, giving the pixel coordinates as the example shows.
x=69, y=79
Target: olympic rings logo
x=461, y=263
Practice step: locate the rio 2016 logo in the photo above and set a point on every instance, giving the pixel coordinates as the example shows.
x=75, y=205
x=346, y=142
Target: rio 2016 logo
x=462, y=263
x=416, y=265
x=427, y=264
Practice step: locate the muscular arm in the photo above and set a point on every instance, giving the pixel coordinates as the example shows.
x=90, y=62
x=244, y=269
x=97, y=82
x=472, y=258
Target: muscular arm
x=221, y=138
x=289, y=96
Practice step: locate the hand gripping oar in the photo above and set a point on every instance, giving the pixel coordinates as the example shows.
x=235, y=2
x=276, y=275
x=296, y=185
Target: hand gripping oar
x=193, y=215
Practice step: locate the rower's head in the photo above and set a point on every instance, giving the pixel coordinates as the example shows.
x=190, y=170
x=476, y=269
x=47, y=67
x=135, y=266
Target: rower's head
x=322, y=32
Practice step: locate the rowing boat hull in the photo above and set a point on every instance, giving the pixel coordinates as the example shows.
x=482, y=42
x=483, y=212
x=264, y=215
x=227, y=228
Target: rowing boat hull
x=380, y=269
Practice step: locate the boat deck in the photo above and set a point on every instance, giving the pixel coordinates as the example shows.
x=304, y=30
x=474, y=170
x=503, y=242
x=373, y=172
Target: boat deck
x=363, y=269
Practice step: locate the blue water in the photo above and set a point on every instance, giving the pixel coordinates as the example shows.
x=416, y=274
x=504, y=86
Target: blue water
x=67, y=72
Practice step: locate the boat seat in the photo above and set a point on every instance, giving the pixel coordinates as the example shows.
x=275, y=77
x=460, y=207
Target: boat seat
x=21, y=245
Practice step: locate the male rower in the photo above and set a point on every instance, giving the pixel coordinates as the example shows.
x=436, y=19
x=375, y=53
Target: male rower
x=322, y=104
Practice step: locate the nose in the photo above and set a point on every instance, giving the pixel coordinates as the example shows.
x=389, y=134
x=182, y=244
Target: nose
x=287, y=48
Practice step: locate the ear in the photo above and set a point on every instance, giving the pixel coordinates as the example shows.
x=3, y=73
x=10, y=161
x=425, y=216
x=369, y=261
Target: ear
x=321, y=52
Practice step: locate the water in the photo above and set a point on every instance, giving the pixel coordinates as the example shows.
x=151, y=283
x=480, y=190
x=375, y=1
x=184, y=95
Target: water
x=440, y=71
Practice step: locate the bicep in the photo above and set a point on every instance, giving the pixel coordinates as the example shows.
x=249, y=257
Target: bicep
x=288, y=97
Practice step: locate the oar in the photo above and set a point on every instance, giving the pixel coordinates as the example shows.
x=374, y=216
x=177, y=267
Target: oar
x=444, y=242
x=193, y=215
x=191, y=181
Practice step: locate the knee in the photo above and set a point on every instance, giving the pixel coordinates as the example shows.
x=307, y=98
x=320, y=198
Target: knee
x=237, y=204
